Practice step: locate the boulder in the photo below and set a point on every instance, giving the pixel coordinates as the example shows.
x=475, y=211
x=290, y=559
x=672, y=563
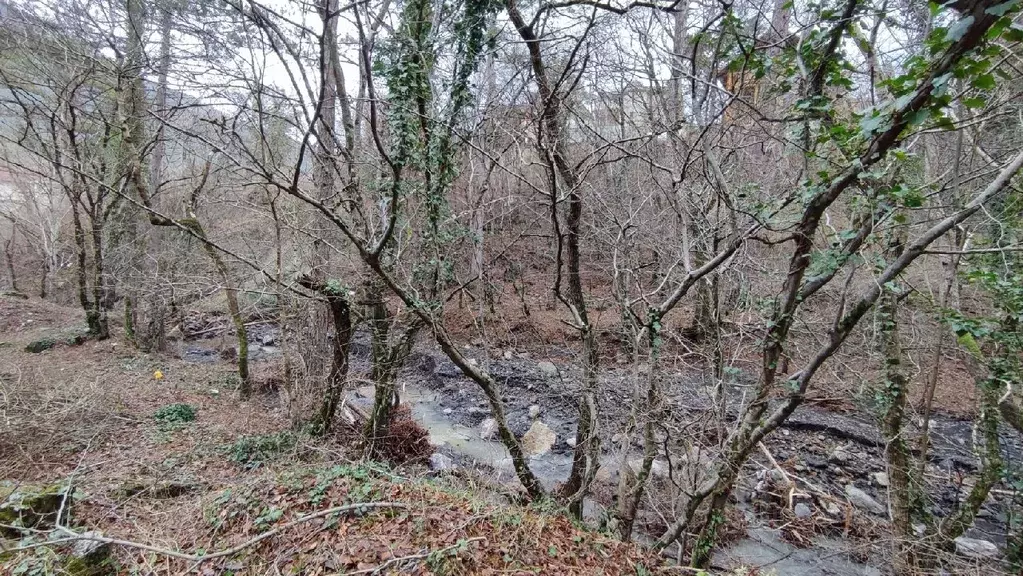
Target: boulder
x=863, y=501
x=658, y=468
x=538, y=439
x=89, y=557
x=29, y=507
x=441, y=462
x=547, y=368
x=488, y=429
x=976, y=548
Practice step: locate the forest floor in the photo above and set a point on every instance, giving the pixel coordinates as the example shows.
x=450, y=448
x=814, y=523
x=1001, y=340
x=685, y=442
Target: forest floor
x=85, y=416
x=239, y=482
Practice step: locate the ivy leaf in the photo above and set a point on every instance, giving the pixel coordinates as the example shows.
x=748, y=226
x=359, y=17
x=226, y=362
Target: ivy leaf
x=957, y=30
x=871, y=124
x=973, y=102
x=984, y=82
x=1002, y=9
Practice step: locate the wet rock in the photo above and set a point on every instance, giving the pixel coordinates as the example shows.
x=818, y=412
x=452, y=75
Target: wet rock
x=880, y=478
x=976, y=548
x=547, y=368
x=862, y=500
x=538, y=439
x=802, y=510
x=441, y=462
x=488, y=429
x=534, y=412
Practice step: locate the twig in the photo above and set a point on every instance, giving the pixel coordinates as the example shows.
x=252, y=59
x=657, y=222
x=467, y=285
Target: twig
x=380, y=568
x=200, y=558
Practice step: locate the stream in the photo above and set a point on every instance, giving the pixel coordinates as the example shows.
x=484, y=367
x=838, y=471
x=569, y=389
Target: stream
x=452, y=408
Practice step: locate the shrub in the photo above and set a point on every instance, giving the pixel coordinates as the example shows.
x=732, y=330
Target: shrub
x=406, y=440
x=175, y=414
x=252, y=451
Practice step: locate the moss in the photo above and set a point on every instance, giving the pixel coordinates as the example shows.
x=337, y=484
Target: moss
x=29, y=507
x=40, y=345
x=90, y=558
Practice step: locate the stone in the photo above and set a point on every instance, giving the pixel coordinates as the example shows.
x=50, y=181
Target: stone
x=267, y=340
x=880, y=478
x=40, y=345
x=976, y=548
x=89, y=557
x=29, y=507
x=802, y=510
x=815, y=462
x=862, y=500
x=547, y=368
x=534, y=412
x=538, y=439
x=365, y=392
x=488, y=429
x=441, y=462
x=448, y=411
x=570, y=441
x=833, y=509
x=838, y=456
x=477, y=411
x=618, y=438
x=658, y=468
x=508, y=354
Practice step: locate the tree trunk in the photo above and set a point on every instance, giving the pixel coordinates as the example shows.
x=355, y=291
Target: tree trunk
x=9, y=259
x=891, y=397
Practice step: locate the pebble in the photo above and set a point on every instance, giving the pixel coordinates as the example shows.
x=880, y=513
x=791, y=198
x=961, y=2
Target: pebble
x=802, y=510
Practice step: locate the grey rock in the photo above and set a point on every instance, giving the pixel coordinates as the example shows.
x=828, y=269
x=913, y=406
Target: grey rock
x=618, y=438
x=365, y=391
x=976, y=548
x=441, y=462
x=477, y=411
x=488, y=429
x=862, y=500
x=818, y=463
x=838, y=456
x=508, y=354
x=570, y=441
x=802, y=510
x=880, y=478
x=534, y=412
x=538, y=440
x=547, y=368
x=448, y=411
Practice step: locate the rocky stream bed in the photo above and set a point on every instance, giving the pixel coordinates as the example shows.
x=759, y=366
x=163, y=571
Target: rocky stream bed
x=839, y=454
